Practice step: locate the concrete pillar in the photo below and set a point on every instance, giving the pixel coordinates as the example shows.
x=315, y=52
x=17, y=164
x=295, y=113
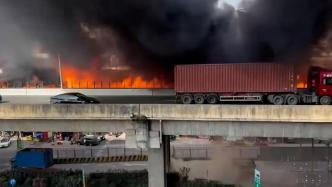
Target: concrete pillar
x=158, y=164
x=138, y=135
x=141, y=128
x=50, y=134
x=130, y=138
x=167, y=152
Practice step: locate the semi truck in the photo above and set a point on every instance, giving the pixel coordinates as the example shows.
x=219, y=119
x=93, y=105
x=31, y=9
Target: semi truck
x=274, y=83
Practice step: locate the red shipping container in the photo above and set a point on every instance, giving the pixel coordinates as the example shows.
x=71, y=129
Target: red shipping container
x=235, y=78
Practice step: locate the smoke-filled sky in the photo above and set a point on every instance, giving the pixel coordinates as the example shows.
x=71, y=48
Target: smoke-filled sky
x=159, y=32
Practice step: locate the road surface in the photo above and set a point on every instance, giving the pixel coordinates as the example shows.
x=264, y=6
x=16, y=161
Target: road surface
x=65, y=150
x=214, y=160
x=103, y=99
x=104, y=167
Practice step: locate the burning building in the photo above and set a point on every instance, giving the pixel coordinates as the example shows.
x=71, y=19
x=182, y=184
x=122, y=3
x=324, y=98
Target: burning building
x=135, y=44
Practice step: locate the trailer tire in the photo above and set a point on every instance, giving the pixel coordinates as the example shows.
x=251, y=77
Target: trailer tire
x=212, y=99
x=199, y=99
x=292, y=100
x=278, y=100
x=186, y=99
x=270, y=98
x=325, y=100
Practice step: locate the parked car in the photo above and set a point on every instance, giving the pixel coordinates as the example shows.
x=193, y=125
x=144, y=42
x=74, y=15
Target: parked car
x=5, y=142
x=73, y=98
x=101, y=137
x=89, y=140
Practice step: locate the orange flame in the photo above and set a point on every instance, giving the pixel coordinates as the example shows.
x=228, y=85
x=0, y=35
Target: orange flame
x=301, y=82
x=301, y=85
x=93, y=77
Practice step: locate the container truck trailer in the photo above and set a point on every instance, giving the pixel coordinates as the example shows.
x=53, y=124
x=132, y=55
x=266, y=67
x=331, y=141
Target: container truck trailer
x=260, y=82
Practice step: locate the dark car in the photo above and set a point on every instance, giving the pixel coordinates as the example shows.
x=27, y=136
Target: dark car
x=73, y=98
x=89, y=140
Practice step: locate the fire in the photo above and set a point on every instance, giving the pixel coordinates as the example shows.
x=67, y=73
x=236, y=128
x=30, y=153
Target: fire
x=301, y=85
x=301, y=82
x=138, y=82
x=94, y=77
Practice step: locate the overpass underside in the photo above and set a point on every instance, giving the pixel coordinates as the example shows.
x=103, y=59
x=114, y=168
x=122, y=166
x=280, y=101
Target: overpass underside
x=209, y=120
x=177, y=127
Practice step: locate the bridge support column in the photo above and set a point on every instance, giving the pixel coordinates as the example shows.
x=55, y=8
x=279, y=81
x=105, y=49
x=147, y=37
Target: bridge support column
x=158, y=164
x=137, y=136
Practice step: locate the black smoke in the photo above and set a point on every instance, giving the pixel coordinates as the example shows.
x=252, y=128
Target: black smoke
x=164, y=32
x=195, y=31
x=271, y=30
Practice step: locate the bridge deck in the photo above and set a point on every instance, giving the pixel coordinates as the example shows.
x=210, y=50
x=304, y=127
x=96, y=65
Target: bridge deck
x=253, y=113
x=211, y=120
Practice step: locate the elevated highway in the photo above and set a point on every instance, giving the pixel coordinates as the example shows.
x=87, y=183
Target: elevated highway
x=93, y=92
x=173, y=112
x=147, y=125
x=173, y=119
x=42, y=95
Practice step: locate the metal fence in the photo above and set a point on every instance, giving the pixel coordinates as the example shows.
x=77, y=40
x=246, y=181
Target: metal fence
x=104, y=84
x=110, y=84
x=205, y=152
x=190, y=153
x=28, y=84
x=96, y=152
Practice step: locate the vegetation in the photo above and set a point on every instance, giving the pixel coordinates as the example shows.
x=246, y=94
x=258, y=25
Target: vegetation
x=62, y=178
x=115, y=178
x=119, y=179
x=49, y=177
x=200, y=183
x=180, y=179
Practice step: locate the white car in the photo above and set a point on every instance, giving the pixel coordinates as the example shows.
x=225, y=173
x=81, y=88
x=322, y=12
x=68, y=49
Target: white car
x=5, y=142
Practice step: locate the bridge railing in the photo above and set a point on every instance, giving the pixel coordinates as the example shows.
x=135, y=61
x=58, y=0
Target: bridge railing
x=80, y=84
x=190, y=153
x=96, y=152
x=205, y=152
x=28, y=84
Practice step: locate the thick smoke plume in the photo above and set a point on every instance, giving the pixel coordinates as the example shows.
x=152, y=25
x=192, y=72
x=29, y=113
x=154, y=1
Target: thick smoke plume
x=164, y=33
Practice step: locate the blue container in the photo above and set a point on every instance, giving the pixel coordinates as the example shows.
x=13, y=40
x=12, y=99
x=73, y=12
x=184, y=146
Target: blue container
x=34, y=158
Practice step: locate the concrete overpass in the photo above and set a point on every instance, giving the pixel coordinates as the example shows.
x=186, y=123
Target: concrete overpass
x=217, y=120
x=147, y=126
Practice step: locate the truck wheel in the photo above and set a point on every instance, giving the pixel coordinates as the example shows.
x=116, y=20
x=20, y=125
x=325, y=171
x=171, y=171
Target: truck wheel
x=292, y=100
x=270, y=98
x=186, y=99
x=199, y=99
x=325, y=100
x=278, y=100
x=212, y=99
